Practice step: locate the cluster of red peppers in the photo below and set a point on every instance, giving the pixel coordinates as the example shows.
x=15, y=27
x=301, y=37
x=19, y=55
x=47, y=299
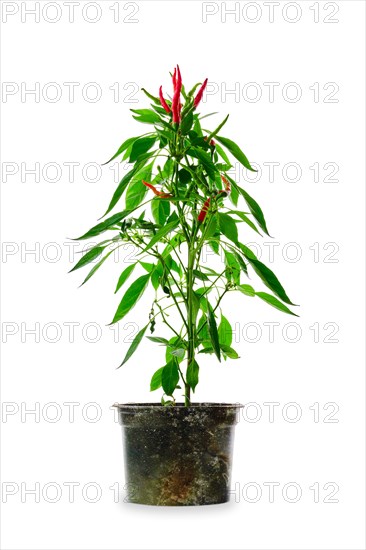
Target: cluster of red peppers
x=176, y=106
x=175, y=109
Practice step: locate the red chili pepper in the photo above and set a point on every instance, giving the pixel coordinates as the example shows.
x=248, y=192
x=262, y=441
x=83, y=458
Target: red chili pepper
x=177, y=82
x=162, y=100
x=202, y=214
x=160, y=194
x=227, y=184
x=174, y=79
x=199, y=95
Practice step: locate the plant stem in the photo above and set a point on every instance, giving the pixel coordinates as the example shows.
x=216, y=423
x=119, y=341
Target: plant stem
x=181, y=374
x=170, y=288
x=191, y=322
x=161, y=311
x=207, y=289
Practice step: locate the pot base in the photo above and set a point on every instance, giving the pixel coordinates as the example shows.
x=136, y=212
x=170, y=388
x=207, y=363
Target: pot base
x=178, y=456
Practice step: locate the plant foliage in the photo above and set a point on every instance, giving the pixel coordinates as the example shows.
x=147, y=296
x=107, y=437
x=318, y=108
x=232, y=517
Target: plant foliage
x=178, y=198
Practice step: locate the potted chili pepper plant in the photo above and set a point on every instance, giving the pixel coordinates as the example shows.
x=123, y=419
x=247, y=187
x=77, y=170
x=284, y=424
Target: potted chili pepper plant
x=179, y=198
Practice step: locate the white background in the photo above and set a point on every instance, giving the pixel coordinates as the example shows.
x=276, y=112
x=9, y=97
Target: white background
x=323, y=366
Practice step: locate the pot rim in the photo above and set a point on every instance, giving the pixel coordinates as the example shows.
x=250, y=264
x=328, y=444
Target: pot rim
x=198, y=405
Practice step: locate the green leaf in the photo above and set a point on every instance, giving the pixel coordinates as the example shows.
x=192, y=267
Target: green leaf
x=156, y=379
x=96, y=267
x=167, y=403
x=174, y=242
x=179, y=352
x=241, y=262
x=159, y=109
x=247, y=290
x=124, y=276
x=212, y=226
x=147, y=266
x=205, y=160
x=233, y=267
x=160, y=209
x=192, y=374
x=187, y=123
x=235, y=151
x=135, y=343
x=103, y=226
x=169, y=132
x=158, y=340
x=131, y=297
x=150, y=96
x=174, y=343
x=168, y=168
x=123, y=147
x=123, y=184
x=136, y=190
x=230, y=352
x=199, y=275
x=155, y=279
x=216, y=131
x=164, y=136
x=196, y=127
x=255, y=210
x=272, y=301
x=210, y=271
x=126, y=154
x=162, y=233
x=203, y=300
x=245, y=219
x=147, y=116
x=195, y=305
x=214, y=244
x=228, y=227
x=212, y=331
x=234, y=195
x=192, y=90
x=248, y=253
x=203, y=332
x=222, y=154
x=184, y=176
x=88, y=257
x=269, y=279
x=141, y=146
x=227, y=351
x=225, y=332
x=170, y=377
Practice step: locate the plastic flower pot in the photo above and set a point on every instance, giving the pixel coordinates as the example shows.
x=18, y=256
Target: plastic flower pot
x=177, y=455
